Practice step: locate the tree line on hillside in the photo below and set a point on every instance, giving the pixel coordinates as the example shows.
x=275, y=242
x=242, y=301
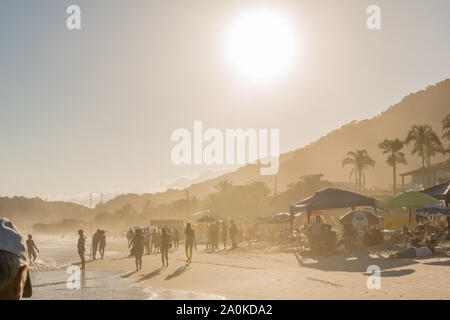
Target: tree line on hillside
x=425, y=142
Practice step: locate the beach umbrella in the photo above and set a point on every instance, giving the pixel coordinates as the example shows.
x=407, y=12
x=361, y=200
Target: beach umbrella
x=433, y=209
x=410, y=199
x=360, y=218
x=281, y=217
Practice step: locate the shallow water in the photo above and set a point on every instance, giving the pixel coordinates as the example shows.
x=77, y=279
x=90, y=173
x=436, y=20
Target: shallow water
x=49, y=274
x=49, y=277
x=95, y=285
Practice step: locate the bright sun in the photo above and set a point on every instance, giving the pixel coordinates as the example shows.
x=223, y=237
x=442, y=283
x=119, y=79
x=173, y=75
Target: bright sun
x=261, y=44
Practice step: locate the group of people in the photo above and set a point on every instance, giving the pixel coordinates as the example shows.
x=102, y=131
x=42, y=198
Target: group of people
x=141, y=240
x=144, y=241
x=98, y=244
x=214, y=229
x=152, y=239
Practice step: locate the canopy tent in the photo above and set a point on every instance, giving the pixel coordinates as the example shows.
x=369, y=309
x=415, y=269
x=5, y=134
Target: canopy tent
x=331, y=198
x=441, y=192
x=410, y=199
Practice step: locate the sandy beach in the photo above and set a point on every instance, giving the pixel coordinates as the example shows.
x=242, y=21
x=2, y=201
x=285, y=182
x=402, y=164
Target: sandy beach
x=277, y=272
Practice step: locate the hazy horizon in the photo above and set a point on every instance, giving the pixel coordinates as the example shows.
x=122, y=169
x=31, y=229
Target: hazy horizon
x=92, y=110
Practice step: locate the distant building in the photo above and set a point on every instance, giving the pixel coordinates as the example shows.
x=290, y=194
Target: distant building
x=428, y=176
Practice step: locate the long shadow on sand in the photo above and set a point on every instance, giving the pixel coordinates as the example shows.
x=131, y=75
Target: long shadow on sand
x=178, y=272
x=352, y=263
x=126, y=275
x=396, y=273
x=152, y=274
x=123, y=258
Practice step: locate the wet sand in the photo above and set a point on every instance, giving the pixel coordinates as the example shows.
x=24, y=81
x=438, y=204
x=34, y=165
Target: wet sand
x=278, y=272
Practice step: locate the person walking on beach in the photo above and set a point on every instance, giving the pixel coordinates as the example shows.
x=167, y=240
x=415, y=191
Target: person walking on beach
x=102, y=243
x=164, y=246
x=95, y=243
x=147, y=236
x=233, y=234
x=190, y=242
x=30, y=248
x=137, y=248
x=153, y=241
x=81, y=248
x=130, y=235
x=224, y=234
x=176, y=239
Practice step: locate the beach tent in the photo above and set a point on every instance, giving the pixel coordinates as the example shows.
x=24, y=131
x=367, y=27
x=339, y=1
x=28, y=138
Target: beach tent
x=441, y=192
x=410, y=199
x=331, y=198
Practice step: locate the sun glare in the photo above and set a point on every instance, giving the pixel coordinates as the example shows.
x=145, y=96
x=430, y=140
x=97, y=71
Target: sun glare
x=261, y=44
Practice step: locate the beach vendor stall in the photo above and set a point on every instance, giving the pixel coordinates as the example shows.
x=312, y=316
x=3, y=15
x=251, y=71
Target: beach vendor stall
x=331, y=198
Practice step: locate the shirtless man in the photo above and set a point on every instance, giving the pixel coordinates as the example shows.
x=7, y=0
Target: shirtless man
x=30, y=248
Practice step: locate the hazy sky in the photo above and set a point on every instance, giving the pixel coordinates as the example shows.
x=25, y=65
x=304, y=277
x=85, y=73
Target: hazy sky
x=93, y=110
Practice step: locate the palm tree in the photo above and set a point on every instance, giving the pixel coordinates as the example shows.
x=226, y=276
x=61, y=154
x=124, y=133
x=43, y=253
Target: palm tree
x=446, y=128
x=223, y=186
x=426, y=142
x=393, y=147
x=361, y=161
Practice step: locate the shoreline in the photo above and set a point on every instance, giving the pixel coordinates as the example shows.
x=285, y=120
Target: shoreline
x=277, y=272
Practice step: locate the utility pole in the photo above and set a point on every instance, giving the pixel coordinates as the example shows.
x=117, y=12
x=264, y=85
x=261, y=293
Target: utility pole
x=276, y=181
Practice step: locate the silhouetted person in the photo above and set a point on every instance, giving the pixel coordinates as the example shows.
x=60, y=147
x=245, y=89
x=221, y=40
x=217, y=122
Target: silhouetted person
x=81, y=249
x=176, y=238
x=130, y=235
x=102, y=243
x=147, y=237
x=153, y=241
x=137, y=248
x=224, y=234
x=233, y=234
x=95, y=243
x=190, y=242
x=30, y=247
x=164, y=246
